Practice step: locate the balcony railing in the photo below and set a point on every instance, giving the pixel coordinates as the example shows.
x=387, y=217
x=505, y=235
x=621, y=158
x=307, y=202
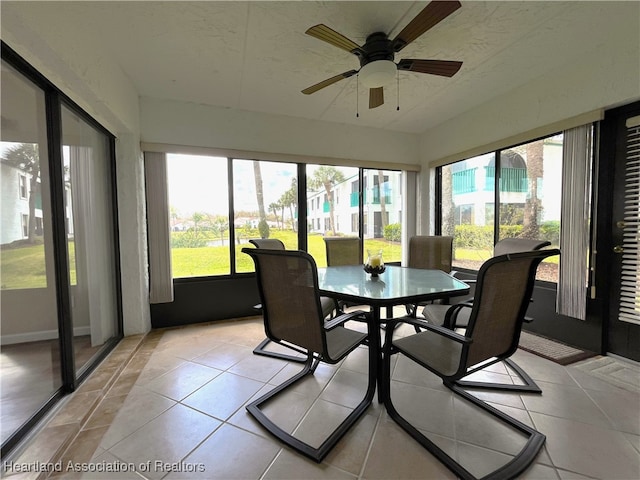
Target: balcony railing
x=464, y=181
x=511, y=179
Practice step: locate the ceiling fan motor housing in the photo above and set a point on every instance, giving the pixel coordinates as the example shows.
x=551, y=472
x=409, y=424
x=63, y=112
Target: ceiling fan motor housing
x=377, y=47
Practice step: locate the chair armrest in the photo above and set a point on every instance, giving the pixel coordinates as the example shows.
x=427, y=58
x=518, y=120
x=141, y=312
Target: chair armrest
x=445, y=332
x=452, y=314
x=345, y=317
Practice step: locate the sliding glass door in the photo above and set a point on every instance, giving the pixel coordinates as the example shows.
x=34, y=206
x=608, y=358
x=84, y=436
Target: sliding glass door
x=59, y=269
x=30, y=354
x=91, y=239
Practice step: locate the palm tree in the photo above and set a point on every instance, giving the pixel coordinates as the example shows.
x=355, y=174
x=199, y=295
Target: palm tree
x=533, y=204
x=448, y=207
x=290, y=199
x=327, y=177
x=381, y=192
x=263, y=226
x=197, y=218
x=274, y=206
x=25, y=157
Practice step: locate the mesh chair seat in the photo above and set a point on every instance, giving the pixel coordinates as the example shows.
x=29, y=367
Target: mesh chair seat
x=436, y=313
x=442, y=353
x=340, y=340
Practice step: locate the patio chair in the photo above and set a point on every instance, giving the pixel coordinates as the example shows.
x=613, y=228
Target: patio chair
x=329, y=305
x=288, y=285
x=503, y=290
x=429, y=252
x=457, y=316
x=343, y=251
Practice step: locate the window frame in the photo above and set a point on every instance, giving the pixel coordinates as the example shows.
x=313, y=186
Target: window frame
x=496, y=189
x=304, y=214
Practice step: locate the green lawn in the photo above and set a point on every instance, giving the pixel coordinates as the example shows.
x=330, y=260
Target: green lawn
x=24, y=267
x=204, y=261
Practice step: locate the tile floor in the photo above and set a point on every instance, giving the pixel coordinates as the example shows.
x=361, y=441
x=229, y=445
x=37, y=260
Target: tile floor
x=171, y=405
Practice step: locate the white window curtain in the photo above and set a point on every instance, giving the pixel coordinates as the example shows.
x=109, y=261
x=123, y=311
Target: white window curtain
x=158, y=231
x=573, y=279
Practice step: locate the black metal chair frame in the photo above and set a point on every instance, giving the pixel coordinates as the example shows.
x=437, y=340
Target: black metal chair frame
x=310, y=363
x=535, y=439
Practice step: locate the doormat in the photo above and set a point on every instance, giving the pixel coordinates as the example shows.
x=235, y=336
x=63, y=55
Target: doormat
x=552, y=350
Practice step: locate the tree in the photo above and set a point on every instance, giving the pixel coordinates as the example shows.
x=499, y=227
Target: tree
x=173, y=214
x=533, y=204
x=290, y=199
x=263, y=226
x=327, y=177
x=25, y=157
x=274, y=206
x=219, y=224
x=448, y=207
x=383, y=210
x=197, y=218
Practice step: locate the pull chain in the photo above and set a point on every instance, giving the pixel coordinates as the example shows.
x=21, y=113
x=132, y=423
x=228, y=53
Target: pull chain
x=357, y=96
x=398, y=90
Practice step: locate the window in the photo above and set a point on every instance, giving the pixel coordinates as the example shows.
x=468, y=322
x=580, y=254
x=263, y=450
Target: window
x=25, y=225
x=22, y=186
x=466, y=213
x=383, y=204
x=331, y=187
x=531, y=195
x=529, y=188
x=265, y=202
x=199, y=215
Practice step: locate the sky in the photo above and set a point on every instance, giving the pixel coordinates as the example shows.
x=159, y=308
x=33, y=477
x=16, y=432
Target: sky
x=199, y=183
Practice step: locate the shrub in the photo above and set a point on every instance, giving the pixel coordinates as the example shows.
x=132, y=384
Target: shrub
x=551, y=231
x=263, y=228
x=472, y=236
x=188, y=239
x=393, y=232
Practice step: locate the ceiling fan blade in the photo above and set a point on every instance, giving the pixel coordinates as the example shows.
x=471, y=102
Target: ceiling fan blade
x=329, y=35
x=376, y=97
x=430, y=16
x=444, y=68
x=328, y=81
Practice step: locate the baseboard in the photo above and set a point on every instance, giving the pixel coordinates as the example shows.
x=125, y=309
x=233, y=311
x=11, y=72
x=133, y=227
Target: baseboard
x=40, y=336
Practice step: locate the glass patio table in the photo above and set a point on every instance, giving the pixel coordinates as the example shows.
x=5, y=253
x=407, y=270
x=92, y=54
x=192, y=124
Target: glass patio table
x=396, y=286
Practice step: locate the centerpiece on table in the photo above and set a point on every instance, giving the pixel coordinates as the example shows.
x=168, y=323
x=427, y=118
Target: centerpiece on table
x=374, y=264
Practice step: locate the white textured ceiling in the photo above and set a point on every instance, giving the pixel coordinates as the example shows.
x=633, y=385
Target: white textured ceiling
x=255, y=56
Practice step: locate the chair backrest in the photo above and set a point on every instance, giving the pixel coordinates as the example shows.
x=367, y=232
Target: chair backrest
x=288, y=286
x=343, y=251
x=269, y=243
x=432, y=252
x=513, y=245
x=503, y=290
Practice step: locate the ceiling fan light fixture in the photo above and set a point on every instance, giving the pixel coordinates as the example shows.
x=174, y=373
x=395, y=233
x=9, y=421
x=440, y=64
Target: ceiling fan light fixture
x=378, y=73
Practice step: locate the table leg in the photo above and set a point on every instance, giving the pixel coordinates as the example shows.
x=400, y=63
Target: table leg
x=376, y=348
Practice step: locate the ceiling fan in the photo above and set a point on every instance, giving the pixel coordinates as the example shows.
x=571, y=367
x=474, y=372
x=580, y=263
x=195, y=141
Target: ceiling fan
x=376, y=56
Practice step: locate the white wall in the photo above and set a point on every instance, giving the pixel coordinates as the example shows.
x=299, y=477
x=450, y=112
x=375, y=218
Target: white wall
x=181, y=123
x=100, y=88
x=606, y=77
